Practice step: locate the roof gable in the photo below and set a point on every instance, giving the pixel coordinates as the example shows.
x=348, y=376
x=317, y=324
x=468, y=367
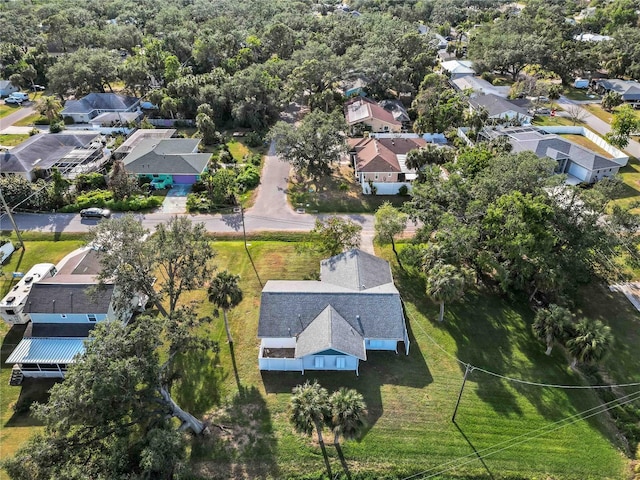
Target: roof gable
x=99, y=101
x=329, y=331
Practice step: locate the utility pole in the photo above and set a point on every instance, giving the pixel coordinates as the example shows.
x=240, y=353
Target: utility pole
x=244, y=232
x=467, y=371
x=13, y=222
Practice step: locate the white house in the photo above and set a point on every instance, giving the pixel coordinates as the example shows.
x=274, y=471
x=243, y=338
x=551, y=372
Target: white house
x=331, y=324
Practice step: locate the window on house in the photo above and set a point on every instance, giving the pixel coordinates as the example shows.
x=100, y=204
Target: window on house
x=63, y=315
x=389, y=174
x=91, y=317
x=10, y=312
x=341, y=362
x=375, y=177
x=318, y=362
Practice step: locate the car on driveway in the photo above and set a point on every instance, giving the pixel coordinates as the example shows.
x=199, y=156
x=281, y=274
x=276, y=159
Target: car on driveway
x=95, y=213
x=12, y=101
x=23, y=97
x=161, y=184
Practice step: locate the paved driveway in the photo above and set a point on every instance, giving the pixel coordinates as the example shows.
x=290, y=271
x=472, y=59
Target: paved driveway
x=176, y=199
x=19, y=114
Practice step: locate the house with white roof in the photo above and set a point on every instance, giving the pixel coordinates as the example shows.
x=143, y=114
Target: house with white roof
x=478, y=86
x=331, y=324
x=457, y=68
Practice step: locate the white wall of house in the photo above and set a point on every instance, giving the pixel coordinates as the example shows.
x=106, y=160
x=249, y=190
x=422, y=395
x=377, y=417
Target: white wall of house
x=597, y=175
x=67, y=318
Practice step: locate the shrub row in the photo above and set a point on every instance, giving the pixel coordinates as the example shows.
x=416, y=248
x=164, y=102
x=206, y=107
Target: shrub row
x=104, y=199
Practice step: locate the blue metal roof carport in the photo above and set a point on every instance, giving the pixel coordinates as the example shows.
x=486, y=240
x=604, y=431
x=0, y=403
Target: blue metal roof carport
x=47, y=350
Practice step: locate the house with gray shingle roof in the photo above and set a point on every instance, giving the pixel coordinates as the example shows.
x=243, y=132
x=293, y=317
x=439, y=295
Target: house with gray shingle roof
x=61, y=309
x=174, y=158
x=629, y=90
x=45, y=151
x=94, y=104
x=580, y=164
x=500, y=110
x=331, y=324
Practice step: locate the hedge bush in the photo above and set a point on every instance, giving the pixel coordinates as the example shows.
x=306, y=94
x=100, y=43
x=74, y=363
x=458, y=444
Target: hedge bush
x=104, y=199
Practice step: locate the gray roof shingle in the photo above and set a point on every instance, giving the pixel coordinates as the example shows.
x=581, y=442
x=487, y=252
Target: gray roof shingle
x=168, y=156
x=68, y=298
x=99, y=101
x=329, y=331
x=43, y=150
x=496, y=105
x=356, y=270
x=373, y=315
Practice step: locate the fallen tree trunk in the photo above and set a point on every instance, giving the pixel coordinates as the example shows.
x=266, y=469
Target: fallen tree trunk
x=188, y=420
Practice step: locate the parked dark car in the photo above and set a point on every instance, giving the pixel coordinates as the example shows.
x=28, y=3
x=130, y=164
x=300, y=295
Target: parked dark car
x=95, y=213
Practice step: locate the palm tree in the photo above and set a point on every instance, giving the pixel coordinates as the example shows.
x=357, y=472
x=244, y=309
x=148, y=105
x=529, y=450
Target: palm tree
x=310, y=409
x=591, y=342
x=347, y=412
x=225, y=293
x=445, y=283
x=551, y=325
x=49, y=107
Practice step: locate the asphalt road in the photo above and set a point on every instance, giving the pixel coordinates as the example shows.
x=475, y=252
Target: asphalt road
x=19, y=114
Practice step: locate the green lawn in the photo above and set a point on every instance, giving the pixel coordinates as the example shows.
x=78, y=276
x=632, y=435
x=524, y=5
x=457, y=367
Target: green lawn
x=579, y=94
x=29, y=121
x=602, y=114
x=339, y=193
x=547, y=121
x=410, y=398
x=630, y=176
x=7, y=109
x=9, y=140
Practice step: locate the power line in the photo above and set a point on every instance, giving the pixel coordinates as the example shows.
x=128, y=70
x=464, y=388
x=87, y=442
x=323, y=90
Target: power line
x=528, y=436
x=511, y=379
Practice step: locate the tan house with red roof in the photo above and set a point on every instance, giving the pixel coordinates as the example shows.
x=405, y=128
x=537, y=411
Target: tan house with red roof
x=381, y=162
x=364, y=114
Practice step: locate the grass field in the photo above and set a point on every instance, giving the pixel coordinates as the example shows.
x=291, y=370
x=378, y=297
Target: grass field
x=7, y=109
x=9, y=140
x=585, y=142
x=338, y=193
x=29, y=120
x=602, y=114
x=410, y=398
x=548, y=121
x=630, y=176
